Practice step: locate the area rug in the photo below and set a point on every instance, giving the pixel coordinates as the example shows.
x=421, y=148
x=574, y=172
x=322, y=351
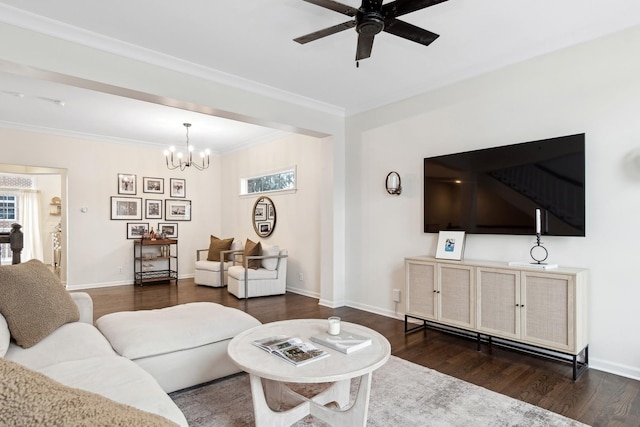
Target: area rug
x=402, y=394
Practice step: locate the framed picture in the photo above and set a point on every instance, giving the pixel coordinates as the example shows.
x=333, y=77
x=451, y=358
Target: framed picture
x=126, y=208
x=450, y=245
x=153, y=209
x=127, y=184
x=177, y=210
x=135, y=230
x=153, y=185
x=178, y=187
x=171, y=228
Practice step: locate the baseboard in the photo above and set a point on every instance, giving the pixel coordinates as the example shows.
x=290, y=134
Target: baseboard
x=375, y=310
x=614, y=368
x=303, y=292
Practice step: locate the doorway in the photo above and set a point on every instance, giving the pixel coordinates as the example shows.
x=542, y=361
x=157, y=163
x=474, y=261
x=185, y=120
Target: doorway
x=36, y=195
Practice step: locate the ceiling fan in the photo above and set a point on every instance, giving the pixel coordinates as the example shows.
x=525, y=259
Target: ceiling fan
x=373, y=17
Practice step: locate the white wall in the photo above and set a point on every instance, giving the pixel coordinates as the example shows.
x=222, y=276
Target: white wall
x=96, y=248
x=593, y=88
x=298, y=213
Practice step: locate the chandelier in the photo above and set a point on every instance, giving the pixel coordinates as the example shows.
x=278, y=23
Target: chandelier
x=182, y=163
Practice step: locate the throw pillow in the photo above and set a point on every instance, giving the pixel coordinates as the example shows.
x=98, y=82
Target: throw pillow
x=34, y=302
x=217, y=245
x=30, y=398
x=253, y=249
x=5, y=336
x=270, y=263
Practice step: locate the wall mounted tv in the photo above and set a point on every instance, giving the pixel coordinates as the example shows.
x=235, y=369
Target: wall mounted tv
x=497, y=190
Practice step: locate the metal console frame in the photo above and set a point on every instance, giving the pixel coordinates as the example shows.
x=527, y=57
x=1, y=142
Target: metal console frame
x=579, y=365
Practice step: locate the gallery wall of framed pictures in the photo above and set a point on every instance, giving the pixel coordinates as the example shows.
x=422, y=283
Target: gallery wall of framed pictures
x=138, y=210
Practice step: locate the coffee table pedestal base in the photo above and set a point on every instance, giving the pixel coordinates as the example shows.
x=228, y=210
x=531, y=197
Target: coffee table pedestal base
x=339, y=392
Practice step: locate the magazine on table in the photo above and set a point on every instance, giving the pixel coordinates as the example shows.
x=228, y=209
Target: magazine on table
x=345, y=341
x=291, y=349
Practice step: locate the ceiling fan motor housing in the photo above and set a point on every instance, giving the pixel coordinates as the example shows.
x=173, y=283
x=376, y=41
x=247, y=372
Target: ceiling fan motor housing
x=369, y=23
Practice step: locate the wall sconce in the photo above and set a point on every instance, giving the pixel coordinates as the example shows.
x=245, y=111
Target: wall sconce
x=393, y=183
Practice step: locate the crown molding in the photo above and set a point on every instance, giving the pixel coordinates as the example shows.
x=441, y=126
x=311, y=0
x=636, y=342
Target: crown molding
x=40, y=24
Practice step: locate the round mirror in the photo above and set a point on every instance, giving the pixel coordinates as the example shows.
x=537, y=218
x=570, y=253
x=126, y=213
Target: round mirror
x=264, y=216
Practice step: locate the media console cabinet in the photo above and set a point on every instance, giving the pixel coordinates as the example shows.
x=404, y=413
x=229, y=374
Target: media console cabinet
x=540, y=311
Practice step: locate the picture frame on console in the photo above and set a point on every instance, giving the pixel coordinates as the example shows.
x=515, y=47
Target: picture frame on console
x=450, y=245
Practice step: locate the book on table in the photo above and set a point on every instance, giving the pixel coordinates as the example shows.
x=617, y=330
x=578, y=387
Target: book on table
x=291, y=349
x=345, y=341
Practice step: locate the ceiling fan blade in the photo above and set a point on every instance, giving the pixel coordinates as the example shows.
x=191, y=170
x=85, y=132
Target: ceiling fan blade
x=325, y=32
x=335, y=6
x=365, y=44
x=402, y=7
x=410, y=32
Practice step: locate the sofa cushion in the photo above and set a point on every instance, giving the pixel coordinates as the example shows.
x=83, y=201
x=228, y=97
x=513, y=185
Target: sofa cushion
x=253, y=249
x=270, y=250
x=5, y=336
x=71, y=341
x=212, y=265
x=34, y=302
x=217, y=245
x=145, y=333
x=31, y=398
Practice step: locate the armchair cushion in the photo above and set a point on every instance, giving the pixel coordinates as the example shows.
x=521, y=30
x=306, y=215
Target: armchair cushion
x=34, y=302
x=217, y=245
x=270, y=250
x=253, y=249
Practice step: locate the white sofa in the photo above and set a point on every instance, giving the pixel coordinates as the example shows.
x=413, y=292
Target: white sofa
x=269, y=279
x=77, y=355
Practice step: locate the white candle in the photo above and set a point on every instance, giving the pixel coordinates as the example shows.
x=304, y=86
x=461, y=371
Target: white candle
x=334, y=325
x=537, y=221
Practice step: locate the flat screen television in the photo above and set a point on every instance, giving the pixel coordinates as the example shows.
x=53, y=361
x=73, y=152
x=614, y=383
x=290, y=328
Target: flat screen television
x=497, y=190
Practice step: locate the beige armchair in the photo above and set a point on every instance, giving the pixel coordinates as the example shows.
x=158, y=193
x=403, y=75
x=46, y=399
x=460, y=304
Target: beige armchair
x=269, y=279
x=214, y=273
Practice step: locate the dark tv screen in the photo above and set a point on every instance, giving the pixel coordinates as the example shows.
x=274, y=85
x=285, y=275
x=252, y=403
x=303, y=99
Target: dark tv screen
x=497, y=190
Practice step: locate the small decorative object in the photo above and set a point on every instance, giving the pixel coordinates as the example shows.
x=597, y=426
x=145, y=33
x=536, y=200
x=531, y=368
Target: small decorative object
x=450, y=245
x=334, y=325
x=152, y=234
x=538, y=252
x=393, y=183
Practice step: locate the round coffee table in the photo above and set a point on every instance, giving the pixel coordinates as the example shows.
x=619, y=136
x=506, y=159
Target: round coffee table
x=338, y=369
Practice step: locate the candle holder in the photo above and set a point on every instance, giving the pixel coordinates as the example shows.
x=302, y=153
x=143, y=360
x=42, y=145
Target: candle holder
x=538, y=252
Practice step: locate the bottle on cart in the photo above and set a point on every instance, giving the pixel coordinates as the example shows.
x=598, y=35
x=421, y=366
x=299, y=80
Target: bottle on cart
x=152, y=235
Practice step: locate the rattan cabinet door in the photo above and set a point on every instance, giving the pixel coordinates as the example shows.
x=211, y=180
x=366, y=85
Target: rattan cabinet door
x=456, y=295
x=499, y=302
x=548, y=310
x=420, y=289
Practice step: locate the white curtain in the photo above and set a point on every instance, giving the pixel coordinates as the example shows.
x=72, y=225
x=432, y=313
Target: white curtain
x=29, y=214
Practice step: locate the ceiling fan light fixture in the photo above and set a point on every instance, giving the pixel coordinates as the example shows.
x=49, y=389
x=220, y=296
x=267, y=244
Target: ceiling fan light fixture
x=170, y=158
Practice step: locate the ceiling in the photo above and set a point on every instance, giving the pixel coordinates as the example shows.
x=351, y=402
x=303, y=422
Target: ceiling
x=250, y=44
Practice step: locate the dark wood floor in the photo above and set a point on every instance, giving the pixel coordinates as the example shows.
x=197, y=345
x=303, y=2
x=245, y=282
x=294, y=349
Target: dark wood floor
x=596, y=398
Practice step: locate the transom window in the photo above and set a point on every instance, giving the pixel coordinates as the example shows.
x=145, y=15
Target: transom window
x=283, y=180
